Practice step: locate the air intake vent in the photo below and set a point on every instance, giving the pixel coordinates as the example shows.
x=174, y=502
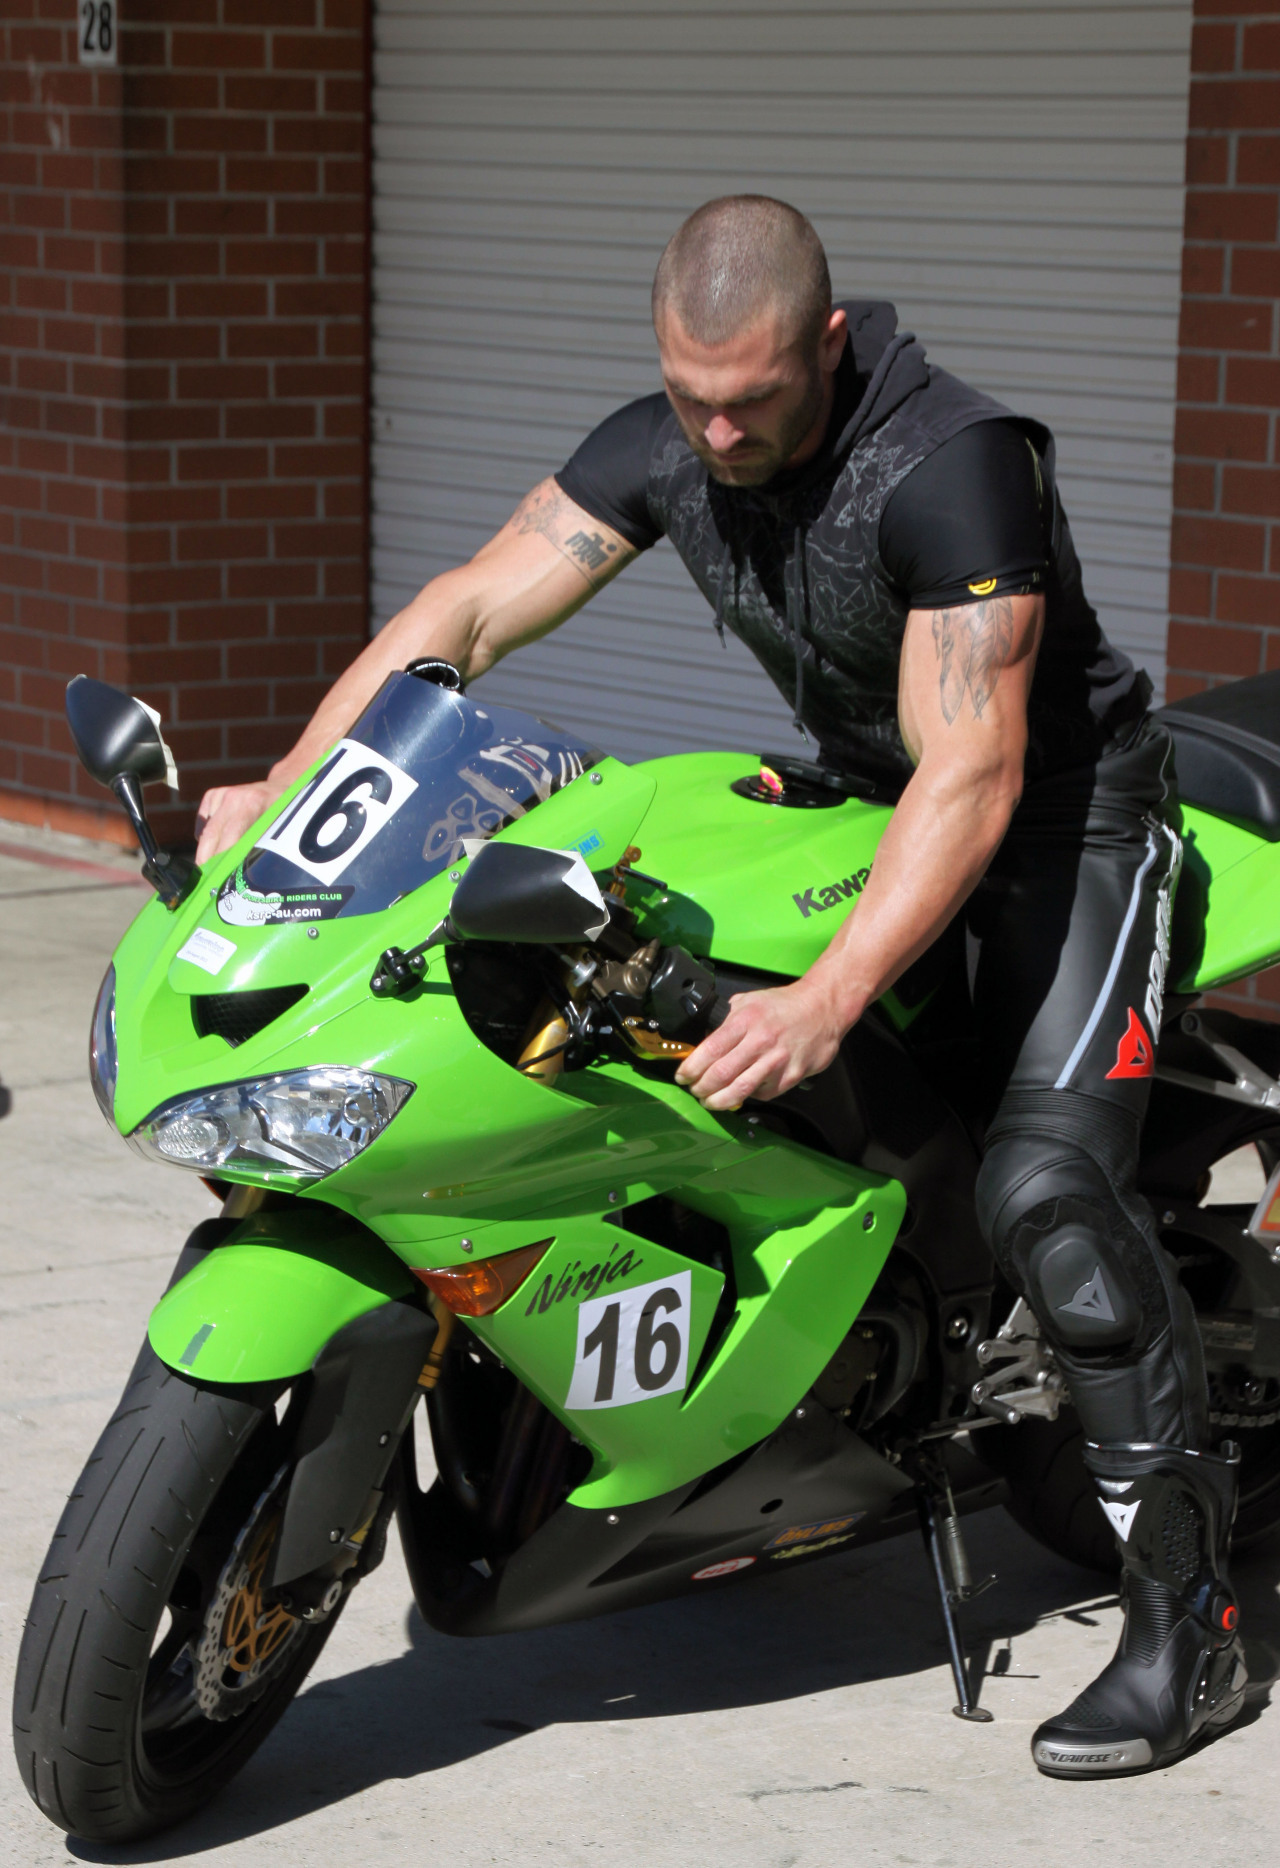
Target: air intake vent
x=239, y=1016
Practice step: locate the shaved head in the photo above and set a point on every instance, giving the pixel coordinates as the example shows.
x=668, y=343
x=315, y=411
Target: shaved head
x=738, y=261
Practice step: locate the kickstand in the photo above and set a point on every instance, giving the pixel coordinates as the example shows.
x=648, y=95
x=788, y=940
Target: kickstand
x=940, y=1528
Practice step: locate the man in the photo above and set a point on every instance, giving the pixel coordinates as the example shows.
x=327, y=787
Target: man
x=888, y=542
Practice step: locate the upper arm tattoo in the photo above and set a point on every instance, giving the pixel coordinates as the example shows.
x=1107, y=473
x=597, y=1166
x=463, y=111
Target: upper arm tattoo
x=547, y=510
x=973, y=643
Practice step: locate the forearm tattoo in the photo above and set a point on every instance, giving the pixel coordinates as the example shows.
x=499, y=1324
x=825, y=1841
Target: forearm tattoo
x=973, y=644
x=546, y=510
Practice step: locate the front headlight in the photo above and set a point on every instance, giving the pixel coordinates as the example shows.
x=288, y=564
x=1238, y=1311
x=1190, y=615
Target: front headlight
x=296, y=1126
x=102, y=1047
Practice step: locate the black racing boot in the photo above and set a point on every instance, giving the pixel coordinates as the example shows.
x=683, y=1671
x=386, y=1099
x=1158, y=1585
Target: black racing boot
x=1179, y=1669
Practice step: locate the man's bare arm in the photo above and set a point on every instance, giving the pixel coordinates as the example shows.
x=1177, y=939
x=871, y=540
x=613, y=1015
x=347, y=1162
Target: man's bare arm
x=547, y=561
x=964, y=678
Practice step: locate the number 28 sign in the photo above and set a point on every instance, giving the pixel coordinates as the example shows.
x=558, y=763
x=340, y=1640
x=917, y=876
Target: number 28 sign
x=633, y=1345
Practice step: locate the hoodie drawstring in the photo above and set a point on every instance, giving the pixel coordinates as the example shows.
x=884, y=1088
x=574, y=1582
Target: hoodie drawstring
x=797, y=605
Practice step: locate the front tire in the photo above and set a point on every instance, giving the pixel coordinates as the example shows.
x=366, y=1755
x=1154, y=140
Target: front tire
x=125, y=1719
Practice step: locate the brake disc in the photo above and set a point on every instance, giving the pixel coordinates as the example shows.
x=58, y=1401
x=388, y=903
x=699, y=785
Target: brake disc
x=245, y=1644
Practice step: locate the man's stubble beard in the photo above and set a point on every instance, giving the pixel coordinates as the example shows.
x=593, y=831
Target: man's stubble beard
x=758, y=473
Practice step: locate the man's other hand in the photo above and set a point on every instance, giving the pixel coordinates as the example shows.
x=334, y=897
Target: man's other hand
x=770, y=1042
x=226, y=813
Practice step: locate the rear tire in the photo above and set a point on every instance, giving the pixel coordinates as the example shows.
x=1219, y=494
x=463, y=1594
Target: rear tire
x=110, y=1734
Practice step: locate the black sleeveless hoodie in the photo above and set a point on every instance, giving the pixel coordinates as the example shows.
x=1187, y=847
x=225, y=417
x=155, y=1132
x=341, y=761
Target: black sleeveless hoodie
x=793, y=567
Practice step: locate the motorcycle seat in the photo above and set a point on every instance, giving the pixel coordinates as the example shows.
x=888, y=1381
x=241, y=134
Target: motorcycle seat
x=1227, y=746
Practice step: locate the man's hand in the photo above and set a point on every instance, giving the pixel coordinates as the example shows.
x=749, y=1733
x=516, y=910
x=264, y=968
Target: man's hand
x=770, y=1042
x=226, y=813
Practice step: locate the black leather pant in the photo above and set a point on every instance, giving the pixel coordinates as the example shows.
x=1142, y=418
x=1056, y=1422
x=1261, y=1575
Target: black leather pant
x=1072, y=919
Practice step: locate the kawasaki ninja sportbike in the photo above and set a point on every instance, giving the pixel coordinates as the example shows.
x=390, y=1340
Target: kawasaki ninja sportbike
x=418, y=1032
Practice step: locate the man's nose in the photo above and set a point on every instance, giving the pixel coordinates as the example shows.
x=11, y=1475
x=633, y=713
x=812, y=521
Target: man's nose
x=722, y=435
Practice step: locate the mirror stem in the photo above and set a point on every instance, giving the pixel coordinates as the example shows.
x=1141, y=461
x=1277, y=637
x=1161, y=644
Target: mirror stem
x=168, y=875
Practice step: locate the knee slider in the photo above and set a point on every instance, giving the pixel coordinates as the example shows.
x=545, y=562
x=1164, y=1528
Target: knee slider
x=1062, y=1237
x=1076, y=1281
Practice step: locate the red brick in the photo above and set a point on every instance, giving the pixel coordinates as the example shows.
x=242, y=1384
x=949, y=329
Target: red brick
x=259, y=581
x=169, y=663
x=200, y=544
x=283, y=13
x=42, y=375
x=220, y=218
x=1190, y=592
x=1257, y=158
x=344, y=419
x=1231, y=214
x=176, y=422
x=1255, y=272
x=273, y=338
x=314, y=52
x=1253, y=490
x=1213, y=48
x=171, y=91
x=334, y=460
x=271, y=258
x=1253, y=600
x=1212, y=434
x=225, y=703
x=272, y=96
x=1202, y=268
x=1211, y=649
x=223, y=622
x=329, y=617
x=1234, y=104
x=1253, y=382
x=233, y=134
x=1219, y=543
x=166, y=504
x=344, y=95
x=172, y=175
x=319, y=298
x=221, y=299
x=328, y=218
x=1261, y=48
x=221, y=382
x=269, y=421
x=222, y=463
x=275, y=177
x=319, y=136
x=277, y=500
x=219, y=51
x=174, y=340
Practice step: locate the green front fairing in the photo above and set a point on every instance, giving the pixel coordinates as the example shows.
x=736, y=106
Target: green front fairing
x=808, y=1238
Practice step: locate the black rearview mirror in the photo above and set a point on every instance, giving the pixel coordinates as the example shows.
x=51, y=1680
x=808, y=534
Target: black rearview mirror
x=120, y=744
x=115, y=734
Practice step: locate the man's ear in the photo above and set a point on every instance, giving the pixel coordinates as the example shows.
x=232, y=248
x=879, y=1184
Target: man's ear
x=834, y=337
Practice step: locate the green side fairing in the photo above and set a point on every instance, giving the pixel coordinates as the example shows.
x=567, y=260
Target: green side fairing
x=483, y=1153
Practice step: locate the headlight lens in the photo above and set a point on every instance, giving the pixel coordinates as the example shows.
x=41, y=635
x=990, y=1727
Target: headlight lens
x=102, y=1047
x=296, y=1126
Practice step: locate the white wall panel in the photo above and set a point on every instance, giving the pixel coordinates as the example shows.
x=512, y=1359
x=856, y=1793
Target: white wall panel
x=1010, y=174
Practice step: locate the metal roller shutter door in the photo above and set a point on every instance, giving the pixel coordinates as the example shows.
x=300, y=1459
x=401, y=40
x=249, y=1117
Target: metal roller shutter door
x=1010, y=174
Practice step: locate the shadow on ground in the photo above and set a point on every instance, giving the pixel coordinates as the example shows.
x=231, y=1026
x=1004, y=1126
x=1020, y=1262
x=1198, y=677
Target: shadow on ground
x=869, y=1616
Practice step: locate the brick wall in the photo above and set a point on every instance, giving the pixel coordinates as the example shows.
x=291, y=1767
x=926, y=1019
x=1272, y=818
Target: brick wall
x=1224, y=586
x=201, y=535
x=62, y=423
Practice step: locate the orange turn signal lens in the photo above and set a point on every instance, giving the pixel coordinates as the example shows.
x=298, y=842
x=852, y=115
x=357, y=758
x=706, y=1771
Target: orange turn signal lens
x=479, y=1289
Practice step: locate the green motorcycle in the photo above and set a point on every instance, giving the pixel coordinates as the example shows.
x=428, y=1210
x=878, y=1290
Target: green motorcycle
x=418, y=1032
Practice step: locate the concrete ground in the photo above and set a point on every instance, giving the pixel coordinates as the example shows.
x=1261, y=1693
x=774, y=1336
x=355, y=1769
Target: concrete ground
x=787, y=1723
